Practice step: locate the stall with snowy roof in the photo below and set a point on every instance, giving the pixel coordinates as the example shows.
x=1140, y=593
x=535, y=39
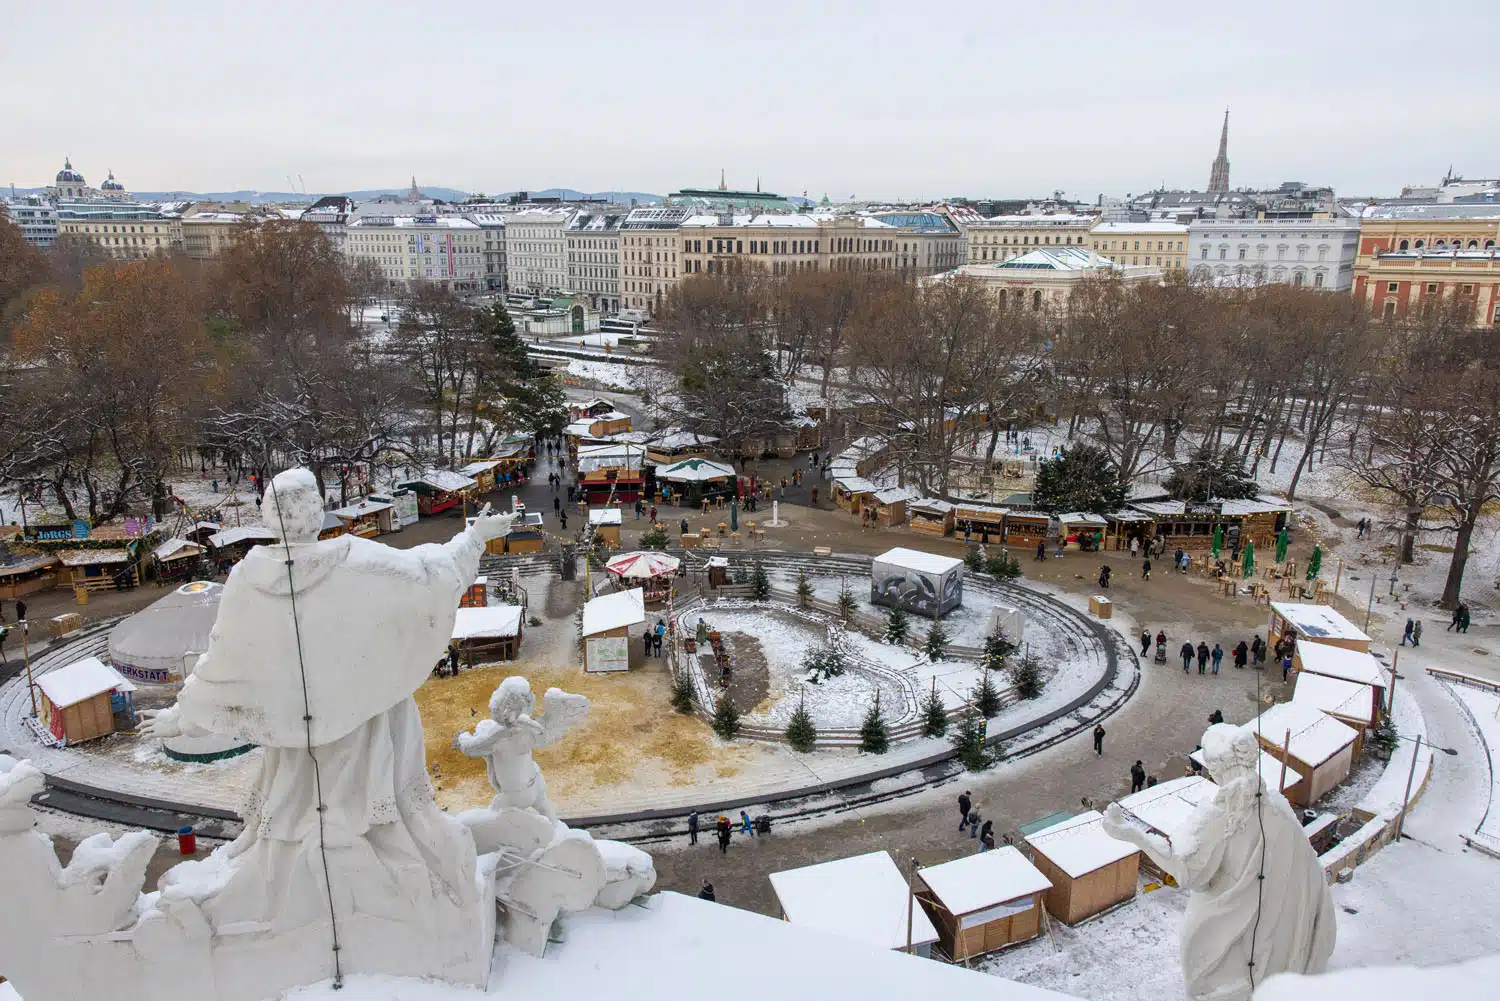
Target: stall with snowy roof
x=489, y=633
x=607, y=621
x=1191, y=525
x=366, y=518
x=864, y=899
x=1272, y=772
x=1127, y=524
x=613, y=470
x=608, y=423
x=439, y=490
x=1089, y=870
x=1310, y=623
x=984, y=902
x=1346, y=665
x=696, y=480
x=1082, y=530
x=23, y=575
x=1026, y=528
x=852, y=493
x=916, y=581
x=1349, y=702
x=674, y=444
x=230, y=545
x=1164, y=809
x=482, y=472
x=606, y=522
x=99, y=569
x=81, y=701
x=176, y=559
x=1313, y=744
x=887, y=506
x=980, y=522
x=930, y=516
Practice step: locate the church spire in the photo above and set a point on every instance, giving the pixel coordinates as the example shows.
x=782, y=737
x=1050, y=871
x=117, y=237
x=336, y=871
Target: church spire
x=722, y=185
x=415, y=194
x=1218, y=175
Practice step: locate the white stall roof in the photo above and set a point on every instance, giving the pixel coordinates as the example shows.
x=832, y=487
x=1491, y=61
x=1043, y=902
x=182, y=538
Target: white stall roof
x=89, y=557
x=252, y=533
x=1079, y=845
x=173, y=547
x=611, y=611
x=362, y=507
x=604, y=516
x=1083, y=518
x=1318, y=622
x=856, y=484
x=1338, y=662
x=1335, y=695
x=975, y=882
x=1270, y=770
x=1165, y=807
x=863, y=898
x=489, y=621
x=479, y=466
x=82, y=679
x=915, y=559
x=1316, y=737
x=895, y=495
x=931, y=504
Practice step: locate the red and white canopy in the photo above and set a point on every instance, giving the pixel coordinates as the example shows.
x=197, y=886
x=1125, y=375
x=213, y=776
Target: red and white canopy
x=642, y=565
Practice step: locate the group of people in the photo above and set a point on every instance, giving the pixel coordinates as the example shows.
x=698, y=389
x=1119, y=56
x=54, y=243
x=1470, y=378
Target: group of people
x=1243, y=653
x=1460, y=619
x=1413, y=632
x=449, y=666
x=969, y=819
x=723, y=830
x=651, y=640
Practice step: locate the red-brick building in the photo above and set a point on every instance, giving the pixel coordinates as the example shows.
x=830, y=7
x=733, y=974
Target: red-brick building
x=1411, y=252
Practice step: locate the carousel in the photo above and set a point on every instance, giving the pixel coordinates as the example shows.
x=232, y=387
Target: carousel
x=649, y=570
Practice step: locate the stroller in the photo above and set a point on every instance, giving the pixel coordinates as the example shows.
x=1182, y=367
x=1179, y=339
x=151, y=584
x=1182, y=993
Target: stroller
x=1161, y=653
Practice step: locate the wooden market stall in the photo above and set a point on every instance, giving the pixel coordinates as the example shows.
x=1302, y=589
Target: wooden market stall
x=983, y=902
x=98, y=569
x=1127, y=524
x=333, y=527
x=1027, y=528
x=23, y=575
x=230, y=546
x=1322, y=749
x=439, y=490
x=888, y=505
x=608, y=423
x=488, y=633
x=1190, y=525
x=589, y=408
x=1315, y=624
x=80, y=701
x=930, y=516
x=367, y=518
x=863, y=899
x=1349, y=702
x=482, y=472
x=606, y=521
x=1082, y=530
x=613, y=470
x=1164, y=809
x=1348, y=665
x=980, y=522
x=607, y=621
x=526, y=536
x=696, y=480
x=852, y=493
x=177, y=559
x=674, y=445
x=1090, y=871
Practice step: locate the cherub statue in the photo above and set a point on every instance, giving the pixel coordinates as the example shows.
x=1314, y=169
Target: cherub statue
x=1259, y=901
x=505, y=742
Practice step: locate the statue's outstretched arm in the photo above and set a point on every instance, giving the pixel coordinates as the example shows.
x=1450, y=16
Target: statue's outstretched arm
x=169, y=722
x=1154, y=845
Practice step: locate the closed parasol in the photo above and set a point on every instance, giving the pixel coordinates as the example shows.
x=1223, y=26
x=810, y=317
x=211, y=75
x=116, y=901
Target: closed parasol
x=1249, y=559
x=1281, y=543
x=1316, y=563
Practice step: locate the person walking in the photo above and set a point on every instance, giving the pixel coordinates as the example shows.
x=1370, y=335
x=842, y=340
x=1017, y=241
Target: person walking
x=1406, y=633
x=693, y=827
x=1463, y=618
x=1258, y=650
x=723, y=831
x=964, y=802
x=1241, y=654
x=1202, y=656
x=653, y=514
x=1104, y=577
x=987, y=836
x=1161, y=641
x=1177, y=560
x=1186, y=653
x=1145, y=570
x=1145, y=642
x=453, y=659
x=974, y=819
x=20, y=610
x=1041, y=551
x=563, y=516
x=746, y=827
x=1286, y=666
x=1137, y=777
x=556, y=506
x=1135, y=547
x=1099, y=739
x=1217, y=657
x=1453, y=619
x=1416, y=633
x=683, y=526
x=707, y=893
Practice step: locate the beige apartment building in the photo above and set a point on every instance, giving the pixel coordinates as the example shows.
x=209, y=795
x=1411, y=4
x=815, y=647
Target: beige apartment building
x=783, y=244
x=209, y=234
x=120, y=229
x=445, y=250
x=1002, y=237
x=1144, y=244
x=650, y=249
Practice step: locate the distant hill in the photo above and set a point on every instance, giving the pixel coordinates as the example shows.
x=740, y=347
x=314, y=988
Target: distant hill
x=368, y=194
x=573, y=194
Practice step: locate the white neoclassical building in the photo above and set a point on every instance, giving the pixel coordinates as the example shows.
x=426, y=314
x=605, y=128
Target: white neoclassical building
x=407, y=248
x=1318, y=253
x=536, y=253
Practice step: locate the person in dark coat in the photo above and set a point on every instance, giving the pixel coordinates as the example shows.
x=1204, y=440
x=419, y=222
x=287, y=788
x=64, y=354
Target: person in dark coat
x=1406, y=633
x=1098, y=739
x=964, y=802
x=1241, y=654
x=20, y=610
x=1104, y=576
x=1137, y=777
x=1041, y=550
x=1186, y=653
x=724, y=832
x=987, y=836
x=1145, y=569
x=453, y=659
x=1217, y=716
x=1202, y=656
x=693, y=828
x=684, y=526
x=1145, y=642
x=707, y=893
x=1258, y=650
x=1464, y=618
x=1217, y=656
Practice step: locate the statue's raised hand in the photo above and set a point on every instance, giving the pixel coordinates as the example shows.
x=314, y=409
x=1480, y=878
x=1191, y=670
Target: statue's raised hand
x=161, y=723
x=492, y=526
x=1116, y=826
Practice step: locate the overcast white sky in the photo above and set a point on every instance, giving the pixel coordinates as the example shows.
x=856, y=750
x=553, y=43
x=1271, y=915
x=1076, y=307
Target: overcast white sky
x=866, y=98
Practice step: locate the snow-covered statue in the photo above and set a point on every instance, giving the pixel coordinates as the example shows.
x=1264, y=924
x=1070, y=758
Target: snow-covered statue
x=1241, y=928
x=545, y=867
x=505, y=742
x=345, y=861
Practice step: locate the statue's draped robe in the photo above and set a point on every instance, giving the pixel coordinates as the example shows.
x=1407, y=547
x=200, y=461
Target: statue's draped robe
x=1219, y=863
x=373, y=621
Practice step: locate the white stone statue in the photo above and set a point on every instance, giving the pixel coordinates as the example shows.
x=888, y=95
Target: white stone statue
x=505, y=742
x=1219, y=856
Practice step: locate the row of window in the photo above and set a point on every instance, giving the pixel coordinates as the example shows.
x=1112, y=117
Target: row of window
x=1445, y=245
x=1124, y=245
x=1260, y=253
x=1027, y=240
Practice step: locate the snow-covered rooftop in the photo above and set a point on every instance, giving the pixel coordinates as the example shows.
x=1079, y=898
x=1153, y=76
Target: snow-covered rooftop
x=228, y=537
x=446, y=480
x=932, y=504
x=89, y=557
x=974, y=882
x=1338, y=662
x=863, y=898
x=1316, y=737
x=176, y=547
x=481, y=466
x=1165, y=807
x=1317, y=622
x=1079, y=845
x=916, y=559
x=1261, y=505
x=361, y=508
x=895, y=495
x=604, y=516
x=1271, y=770
x=1139, y=229
x=611, y=611
x=1083, y=518
x=1335, y=695
x=82, y=679
x=491, y=620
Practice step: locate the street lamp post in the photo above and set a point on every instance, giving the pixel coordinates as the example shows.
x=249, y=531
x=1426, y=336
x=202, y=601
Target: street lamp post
x=1411, y=777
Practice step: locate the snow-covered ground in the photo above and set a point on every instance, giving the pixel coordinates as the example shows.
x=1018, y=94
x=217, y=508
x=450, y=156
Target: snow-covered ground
x=624, y=377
